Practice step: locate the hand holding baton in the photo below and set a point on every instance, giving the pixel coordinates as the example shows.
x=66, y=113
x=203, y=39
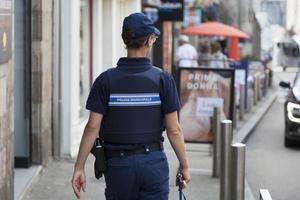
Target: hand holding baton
x=181, y=184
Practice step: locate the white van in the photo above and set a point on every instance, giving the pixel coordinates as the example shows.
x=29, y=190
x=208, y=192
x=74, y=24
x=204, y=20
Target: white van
x=288, y=53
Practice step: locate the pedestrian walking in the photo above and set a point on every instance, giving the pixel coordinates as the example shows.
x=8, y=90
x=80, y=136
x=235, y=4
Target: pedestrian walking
x=204, y=55
x=218, y=59
x=130, y=106
x=185, y=54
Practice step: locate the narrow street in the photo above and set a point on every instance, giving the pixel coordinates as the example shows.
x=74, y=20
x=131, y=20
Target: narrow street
x=270, y=165
x=73, y=70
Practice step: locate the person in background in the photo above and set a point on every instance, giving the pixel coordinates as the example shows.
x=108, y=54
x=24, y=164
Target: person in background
x=185, y=54
x=204, y=55
x=218, y=59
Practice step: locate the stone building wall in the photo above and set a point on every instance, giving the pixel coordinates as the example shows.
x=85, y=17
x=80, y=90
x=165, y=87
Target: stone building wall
x=6, y=130
x=229, y=10
x=41, y=96
x=41, y=35
x=7, y=116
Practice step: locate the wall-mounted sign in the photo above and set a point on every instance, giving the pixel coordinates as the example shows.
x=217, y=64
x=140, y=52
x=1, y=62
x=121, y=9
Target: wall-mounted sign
x=192, y=17
x=202, y=89
x=5, y=30
x=241, y=76
x=164, y=10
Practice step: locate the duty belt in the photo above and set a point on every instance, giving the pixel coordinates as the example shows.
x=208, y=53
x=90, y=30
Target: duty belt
x=143, y=149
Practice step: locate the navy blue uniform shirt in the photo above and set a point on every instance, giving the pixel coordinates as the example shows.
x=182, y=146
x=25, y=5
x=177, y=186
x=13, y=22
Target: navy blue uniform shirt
x=100, y=99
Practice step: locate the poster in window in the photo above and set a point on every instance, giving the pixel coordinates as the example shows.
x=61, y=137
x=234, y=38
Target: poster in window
x=200, y=90
x=5, y=30
x=192, y=17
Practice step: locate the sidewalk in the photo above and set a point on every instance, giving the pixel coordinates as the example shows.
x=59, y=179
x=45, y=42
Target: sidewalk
x=55, y=180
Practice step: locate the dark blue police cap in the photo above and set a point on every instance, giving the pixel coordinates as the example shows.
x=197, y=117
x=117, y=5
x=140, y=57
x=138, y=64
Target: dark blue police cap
x=140, y=25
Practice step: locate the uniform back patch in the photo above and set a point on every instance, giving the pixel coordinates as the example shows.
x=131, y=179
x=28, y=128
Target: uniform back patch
x=138, y=99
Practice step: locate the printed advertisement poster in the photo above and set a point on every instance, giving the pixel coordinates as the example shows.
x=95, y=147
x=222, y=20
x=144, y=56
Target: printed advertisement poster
x=241, y=76
x=201, y=90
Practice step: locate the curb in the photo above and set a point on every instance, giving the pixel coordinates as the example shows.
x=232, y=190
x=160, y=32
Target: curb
x=243, y=134
x=30, y=183
x=248, y=193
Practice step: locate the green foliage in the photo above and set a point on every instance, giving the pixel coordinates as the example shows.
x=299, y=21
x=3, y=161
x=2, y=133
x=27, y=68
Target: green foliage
x=249, y=57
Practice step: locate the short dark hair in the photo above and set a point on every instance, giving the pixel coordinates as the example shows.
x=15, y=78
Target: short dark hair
x=131, y=42
x=215, y=47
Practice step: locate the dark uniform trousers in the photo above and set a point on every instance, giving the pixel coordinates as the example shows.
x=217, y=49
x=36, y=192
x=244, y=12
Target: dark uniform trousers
x=138, y=177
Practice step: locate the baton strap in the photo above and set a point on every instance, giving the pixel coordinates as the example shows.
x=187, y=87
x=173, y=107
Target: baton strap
x=181, y=194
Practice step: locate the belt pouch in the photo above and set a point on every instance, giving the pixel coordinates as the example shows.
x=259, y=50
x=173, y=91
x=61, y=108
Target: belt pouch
x=100, y=161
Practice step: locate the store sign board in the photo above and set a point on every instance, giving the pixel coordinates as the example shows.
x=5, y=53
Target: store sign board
x=5, y=30
x=164, y=10
x=200, y=90
x=171, y=10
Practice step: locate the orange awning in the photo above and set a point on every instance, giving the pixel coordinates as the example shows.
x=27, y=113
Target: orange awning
x=234, y=49
x=215, y=29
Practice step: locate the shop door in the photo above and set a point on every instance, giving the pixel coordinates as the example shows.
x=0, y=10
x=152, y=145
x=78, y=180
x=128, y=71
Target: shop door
x=22, y=82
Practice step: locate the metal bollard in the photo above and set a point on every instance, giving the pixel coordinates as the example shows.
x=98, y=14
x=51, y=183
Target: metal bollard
x=259, y=91
x=226, y=140
x=250, y=101
x=242, y=102
x=238, y=171
x=249, y=97
x=266, y=83
x=264, y=195
x=255, y=90
x=235, y=113
x=217, y=142
x=270, y=79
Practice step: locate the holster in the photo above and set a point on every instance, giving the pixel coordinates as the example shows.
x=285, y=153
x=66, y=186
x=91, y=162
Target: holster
x=100, y=160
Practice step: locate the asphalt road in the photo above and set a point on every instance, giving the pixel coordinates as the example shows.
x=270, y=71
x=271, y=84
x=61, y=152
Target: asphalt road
x=270, y=165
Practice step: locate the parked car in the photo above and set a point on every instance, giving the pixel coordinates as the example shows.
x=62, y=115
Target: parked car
x=292, y=112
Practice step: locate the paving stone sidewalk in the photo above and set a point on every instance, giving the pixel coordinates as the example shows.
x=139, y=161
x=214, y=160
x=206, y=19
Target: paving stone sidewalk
x=54, y=182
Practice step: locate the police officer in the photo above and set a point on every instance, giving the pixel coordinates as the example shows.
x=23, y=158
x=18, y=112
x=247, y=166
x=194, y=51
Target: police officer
x=130, y=106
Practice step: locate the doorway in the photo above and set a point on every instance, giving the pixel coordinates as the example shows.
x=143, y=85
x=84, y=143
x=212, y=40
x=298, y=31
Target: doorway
x=22, y=84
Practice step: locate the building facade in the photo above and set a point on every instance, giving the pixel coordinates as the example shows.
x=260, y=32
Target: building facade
x=293, y=16
x=59, y=47
x=32, y=35
x=240, y=13
x=6, y=100
x=249, y=24
x=89, y=42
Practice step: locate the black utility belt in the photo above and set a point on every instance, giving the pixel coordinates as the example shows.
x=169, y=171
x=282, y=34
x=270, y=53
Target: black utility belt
x=143, y=149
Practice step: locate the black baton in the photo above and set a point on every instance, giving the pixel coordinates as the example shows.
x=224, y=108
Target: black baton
x=180, y=184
